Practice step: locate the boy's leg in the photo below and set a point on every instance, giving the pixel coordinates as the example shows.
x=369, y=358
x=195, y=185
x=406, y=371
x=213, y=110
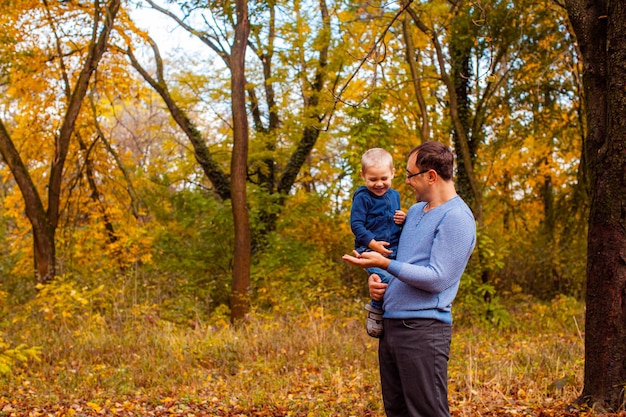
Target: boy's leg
x=374, y=323
x=374, y=309
x=384, y=277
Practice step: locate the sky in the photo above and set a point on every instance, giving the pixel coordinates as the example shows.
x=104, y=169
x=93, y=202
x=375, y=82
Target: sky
x=169, y=37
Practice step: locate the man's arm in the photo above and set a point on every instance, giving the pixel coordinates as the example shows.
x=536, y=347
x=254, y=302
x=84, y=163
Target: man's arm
x=451, y=248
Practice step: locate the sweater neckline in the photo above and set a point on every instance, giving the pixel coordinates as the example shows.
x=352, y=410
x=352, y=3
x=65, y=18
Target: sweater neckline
x=427, y=207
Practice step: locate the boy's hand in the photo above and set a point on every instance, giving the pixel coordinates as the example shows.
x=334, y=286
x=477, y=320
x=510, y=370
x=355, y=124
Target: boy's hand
x=380, y=247
x=376, y=287
x=399, y=217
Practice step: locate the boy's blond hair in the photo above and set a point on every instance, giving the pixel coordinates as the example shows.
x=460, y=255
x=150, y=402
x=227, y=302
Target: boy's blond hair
x=376, y=157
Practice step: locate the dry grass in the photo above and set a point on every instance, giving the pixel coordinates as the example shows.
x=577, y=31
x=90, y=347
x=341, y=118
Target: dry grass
x=316, y=362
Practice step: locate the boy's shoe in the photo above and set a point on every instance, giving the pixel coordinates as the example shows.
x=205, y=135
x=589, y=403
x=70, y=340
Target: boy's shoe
x=374, y=321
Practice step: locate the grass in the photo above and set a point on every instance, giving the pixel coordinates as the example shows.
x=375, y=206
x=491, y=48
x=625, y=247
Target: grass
x=316, y=361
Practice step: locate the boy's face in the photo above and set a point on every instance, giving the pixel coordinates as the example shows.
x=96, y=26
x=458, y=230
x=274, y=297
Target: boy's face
x=378, y=178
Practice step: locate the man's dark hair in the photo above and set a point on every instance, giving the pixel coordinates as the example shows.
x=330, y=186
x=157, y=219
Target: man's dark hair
x=436, y=156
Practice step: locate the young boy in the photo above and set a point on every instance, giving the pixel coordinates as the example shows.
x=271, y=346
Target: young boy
x=376, y=221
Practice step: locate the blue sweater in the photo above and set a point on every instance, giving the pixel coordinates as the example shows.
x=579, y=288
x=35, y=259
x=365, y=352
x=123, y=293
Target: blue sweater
x=371, y=217
x=433, y=251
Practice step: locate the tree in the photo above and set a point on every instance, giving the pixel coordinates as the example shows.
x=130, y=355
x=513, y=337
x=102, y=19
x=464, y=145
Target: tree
x=504, y=85
x=274, y=176
x=601, y=38
x=239, y=302
x=458, y=108
x=44, y=221
x=269, y=172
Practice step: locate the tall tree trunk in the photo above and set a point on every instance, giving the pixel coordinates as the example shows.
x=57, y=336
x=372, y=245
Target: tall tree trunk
x=462, y=37
x=601, y=36
x=239, y=301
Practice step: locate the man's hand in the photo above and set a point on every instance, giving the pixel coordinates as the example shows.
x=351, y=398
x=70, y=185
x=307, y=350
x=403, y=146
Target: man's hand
x=377, y=288
x=367, y=260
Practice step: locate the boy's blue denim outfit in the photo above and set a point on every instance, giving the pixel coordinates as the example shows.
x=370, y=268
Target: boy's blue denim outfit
x=371, y=217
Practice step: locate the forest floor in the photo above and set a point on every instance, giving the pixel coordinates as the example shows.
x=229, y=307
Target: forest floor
x=170, y=407
x=211, y=405
x=316, y=362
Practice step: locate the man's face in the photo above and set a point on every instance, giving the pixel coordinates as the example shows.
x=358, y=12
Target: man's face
x=417, y=178
x=378, y=178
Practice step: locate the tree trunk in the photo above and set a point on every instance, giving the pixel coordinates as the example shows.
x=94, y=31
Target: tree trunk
x=239, y=301
x=462, y=38
x=43, y=232
x=601, y=36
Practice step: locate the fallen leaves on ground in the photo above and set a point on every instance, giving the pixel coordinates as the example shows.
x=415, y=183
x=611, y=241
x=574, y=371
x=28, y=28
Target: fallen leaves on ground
x=149, y=407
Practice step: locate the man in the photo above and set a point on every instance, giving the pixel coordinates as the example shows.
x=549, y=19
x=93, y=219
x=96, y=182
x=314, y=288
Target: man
x=437, y=240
